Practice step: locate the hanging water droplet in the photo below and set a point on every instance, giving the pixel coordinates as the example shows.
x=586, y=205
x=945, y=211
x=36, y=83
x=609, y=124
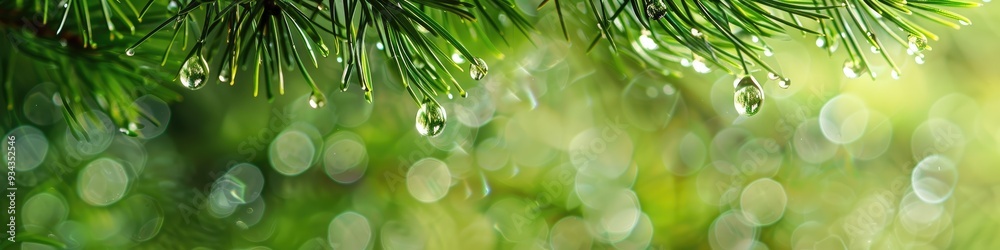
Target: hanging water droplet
x=340, y=59
x=772, y=76
x=785, y=83
x=64, y=4
x=224, y=75
x=457, y=58
x=696, y=33
x=478, y=69
x=317, y=100
x=698, y=64
x=379, y=46
x=194, y=72
x=894, y=74
x=685, y=62
x=656, y=9
x=748, y=97
x=854, y=69
x=767, y=51
x=875, y=49
x=172, y=7
x=130, y=52
x=820, y=41
x=964, y=22
x=834, y=45
x=917, y=43
x=919, y=58
x=132, y=129
x=431, y=118
x=755, y=39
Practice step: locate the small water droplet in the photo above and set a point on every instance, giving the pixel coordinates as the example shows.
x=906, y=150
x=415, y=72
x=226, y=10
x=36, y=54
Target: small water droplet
x=854, y=69
x=431, y=118
x=748, y=97
x=130, y=52
x=696, y=33
x=820, y=42
x=767, y=51
x=379, y=46
x=478, y=69
x=340, y=59
x=194, y=72
x=699, y=65
x=317, y=100
x=418, y=63
x=172, y=7
x=785, y=83
x=964, y=23
x=656, y=9
x=895, y=74
x=64, y=4
x=875, y=49
x=755, y=39
x=224, y=75
x=772, y=76
x=916, y=44
x=919, y=58
x=685, y=62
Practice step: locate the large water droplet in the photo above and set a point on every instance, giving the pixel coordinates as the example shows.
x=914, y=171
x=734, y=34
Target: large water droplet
x=478, y=69
x=317, y=100
x=431, y=118
x=748, y=97
x=656, y=9
x=193, y=72
x=854, y=69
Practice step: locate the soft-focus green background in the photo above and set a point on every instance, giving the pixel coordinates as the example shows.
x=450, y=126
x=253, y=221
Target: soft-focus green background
x=556, y=147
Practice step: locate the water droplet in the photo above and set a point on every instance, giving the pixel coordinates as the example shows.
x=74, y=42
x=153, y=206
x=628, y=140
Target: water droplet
x=64, y=4
x=656, y=9
x=132, y=129
x=785, y=83
x=317, y=100
x=478, y=69
x=699, y=65
x=340, y=59
x=767, y=51
x=457, y=58
x=963, y=22
x=917, y=43
x=772, y=76
x=685, y=62
x=748, y=96
x=919, y=58
x=646, y=41
x=130, y=52
x=875, y=49
x=431, y=118
x=895, y=74
x=172, y=7
x=379, y=46
x=193, y=72
x=224, y=75
x=755, y=39
x=418, y=63
x=696, y=33
x=854, y=69
x=820, y=42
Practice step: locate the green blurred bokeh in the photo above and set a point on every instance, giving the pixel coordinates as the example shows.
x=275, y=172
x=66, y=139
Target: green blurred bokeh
x=555, y=149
